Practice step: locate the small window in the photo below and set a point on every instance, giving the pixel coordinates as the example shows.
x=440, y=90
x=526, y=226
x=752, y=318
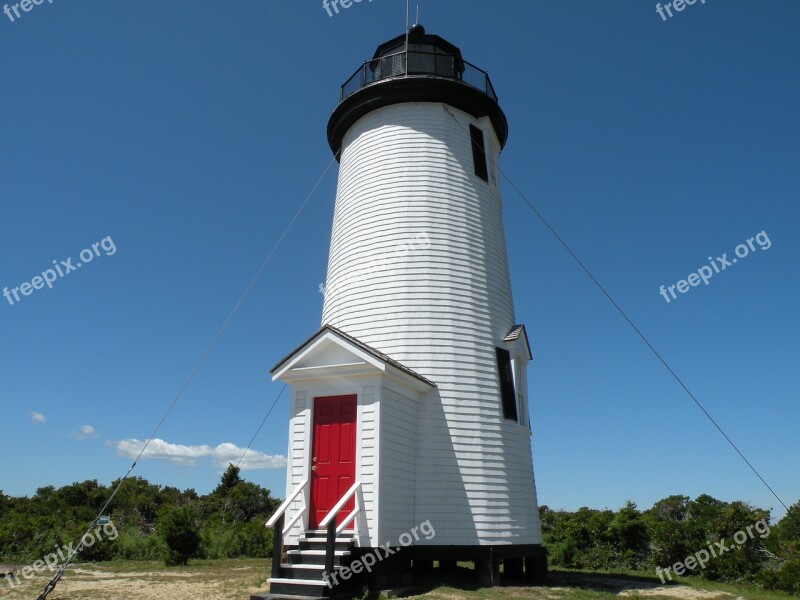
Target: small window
x=507, y=393
x=479, y=153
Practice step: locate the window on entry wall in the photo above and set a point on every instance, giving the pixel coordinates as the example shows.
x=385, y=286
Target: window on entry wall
x=479, y=153
x=507, y=393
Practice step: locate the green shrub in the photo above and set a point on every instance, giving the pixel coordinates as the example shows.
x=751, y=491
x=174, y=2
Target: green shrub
x=133, y=545
x=243, y=540
x=785, y=578
x=179, y=528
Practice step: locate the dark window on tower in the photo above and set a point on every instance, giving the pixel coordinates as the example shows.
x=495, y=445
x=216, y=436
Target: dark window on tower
x=479, y=153
x=507, y=393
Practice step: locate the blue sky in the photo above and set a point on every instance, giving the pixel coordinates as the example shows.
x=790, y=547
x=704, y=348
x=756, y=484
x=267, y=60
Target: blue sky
x=191, y=131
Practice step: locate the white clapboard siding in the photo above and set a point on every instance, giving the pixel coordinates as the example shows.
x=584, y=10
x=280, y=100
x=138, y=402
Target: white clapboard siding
x=398, y=458
x=366, y=452
x=299, y=423
x=407, y=169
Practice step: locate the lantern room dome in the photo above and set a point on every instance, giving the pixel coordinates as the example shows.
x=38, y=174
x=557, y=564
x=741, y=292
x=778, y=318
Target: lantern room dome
x=415, y=67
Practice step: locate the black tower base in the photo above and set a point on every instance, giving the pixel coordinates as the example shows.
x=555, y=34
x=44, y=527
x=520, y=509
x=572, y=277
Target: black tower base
x=522, y=564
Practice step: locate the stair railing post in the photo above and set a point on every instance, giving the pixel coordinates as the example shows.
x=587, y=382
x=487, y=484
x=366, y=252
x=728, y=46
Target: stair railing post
x=277, y=546
x=330, y=547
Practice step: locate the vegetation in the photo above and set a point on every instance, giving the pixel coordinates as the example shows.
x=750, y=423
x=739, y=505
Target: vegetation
x=164, y=523
x=784, y=547
x=179, y=528
x=672, y=530
x=151, y=522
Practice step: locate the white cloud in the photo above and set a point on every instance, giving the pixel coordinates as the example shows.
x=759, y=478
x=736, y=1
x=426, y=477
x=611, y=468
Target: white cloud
x=187, y=456
x=85, y=432
x=37, y=417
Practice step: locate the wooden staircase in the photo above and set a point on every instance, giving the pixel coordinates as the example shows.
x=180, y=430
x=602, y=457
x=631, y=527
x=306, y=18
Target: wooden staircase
x=302, y=575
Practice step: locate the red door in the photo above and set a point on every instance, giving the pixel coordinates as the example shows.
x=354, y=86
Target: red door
x=333, y=456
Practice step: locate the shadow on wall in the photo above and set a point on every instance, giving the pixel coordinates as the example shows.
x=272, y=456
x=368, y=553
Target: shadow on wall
x=444, y=501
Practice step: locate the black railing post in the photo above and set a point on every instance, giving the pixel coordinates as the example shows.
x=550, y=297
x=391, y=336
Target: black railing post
x=277, y=547
x=330, y=546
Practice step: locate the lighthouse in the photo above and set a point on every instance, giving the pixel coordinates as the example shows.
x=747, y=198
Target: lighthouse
x=410, y=432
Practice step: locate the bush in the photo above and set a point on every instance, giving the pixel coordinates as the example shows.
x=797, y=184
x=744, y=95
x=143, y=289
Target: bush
x=178, y=527
x=251, y=540
x=561, y=554
x=785, y=578
x=784, y=544
x=133, y=545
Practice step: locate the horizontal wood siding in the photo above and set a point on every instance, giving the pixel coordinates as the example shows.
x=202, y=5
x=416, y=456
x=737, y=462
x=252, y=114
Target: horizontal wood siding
x=398, y=458
x=368, y=417
x=295, y=471
x=407, y=170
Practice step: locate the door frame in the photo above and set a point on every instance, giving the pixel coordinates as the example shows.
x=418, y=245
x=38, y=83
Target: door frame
x=324, y=392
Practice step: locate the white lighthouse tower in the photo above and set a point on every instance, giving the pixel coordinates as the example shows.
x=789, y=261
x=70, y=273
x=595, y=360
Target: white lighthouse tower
x=409, y=407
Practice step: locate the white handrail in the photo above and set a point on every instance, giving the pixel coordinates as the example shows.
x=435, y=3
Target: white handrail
x=294, y=520
x=349, y=519
x=332, y=514
x=282, y=508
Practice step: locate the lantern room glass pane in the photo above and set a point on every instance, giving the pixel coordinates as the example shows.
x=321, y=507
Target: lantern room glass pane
x=389, y=66
x=421, y=58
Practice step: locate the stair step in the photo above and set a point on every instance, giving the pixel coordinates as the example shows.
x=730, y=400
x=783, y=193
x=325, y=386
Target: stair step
x=317, y=557
x=286, y=580
x=321, y=546
x=282, y=586
x=281, y=597
x=305, y=571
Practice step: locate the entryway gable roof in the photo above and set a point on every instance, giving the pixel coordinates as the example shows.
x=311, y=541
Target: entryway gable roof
x=330, y=348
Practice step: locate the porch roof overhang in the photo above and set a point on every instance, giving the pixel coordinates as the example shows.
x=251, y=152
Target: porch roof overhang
x=331, y=353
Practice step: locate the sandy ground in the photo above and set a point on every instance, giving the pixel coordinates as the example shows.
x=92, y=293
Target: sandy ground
x=212, y=581
x=236, y=580
x=679, y=591
x=675, y=592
